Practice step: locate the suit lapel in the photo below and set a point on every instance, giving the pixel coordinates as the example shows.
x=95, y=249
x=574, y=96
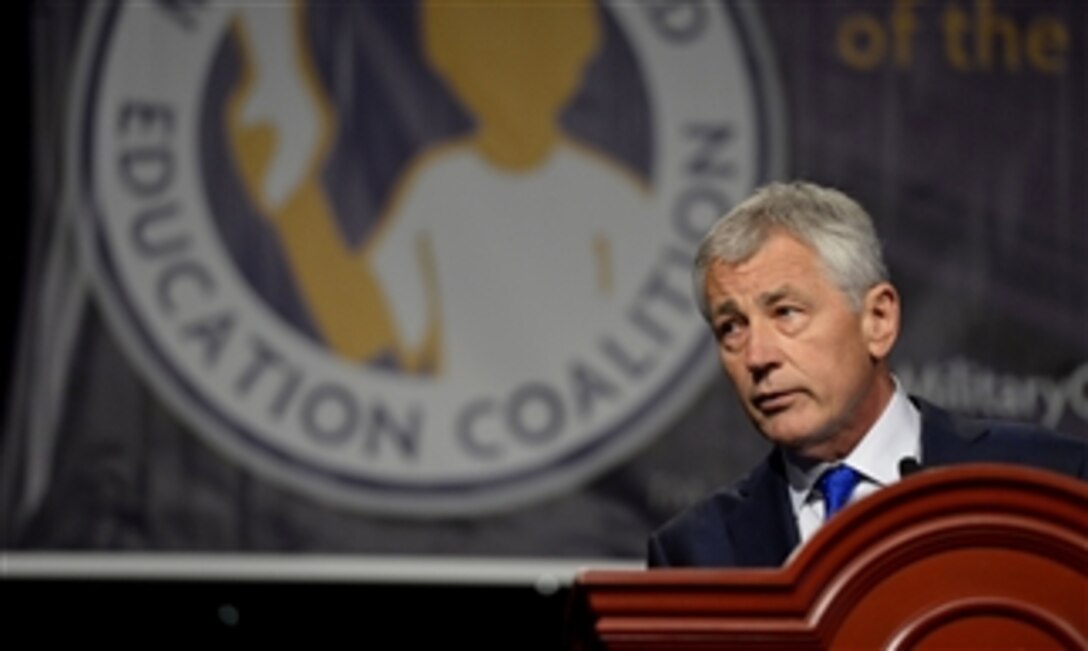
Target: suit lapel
x=944, y=440
x=761, y=527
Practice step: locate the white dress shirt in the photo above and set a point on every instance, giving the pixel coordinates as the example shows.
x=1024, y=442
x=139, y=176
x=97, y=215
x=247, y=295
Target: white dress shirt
x=895, y=435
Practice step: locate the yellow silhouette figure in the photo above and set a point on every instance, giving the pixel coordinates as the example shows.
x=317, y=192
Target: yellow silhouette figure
x=513, y=65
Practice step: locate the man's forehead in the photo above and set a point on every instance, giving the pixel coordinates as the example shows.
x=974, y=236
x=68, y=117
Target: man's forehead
x=782, y=266
x=766, y=268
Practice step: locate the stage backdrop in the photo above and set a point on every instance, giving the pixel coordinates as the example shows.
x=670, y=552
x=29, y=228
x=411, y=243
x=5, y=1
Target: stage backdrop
x=413, y=278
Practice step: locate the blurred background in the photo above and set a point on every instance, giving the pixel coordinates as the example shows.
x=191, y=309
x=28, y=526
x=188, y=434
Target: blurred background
x=387, y=304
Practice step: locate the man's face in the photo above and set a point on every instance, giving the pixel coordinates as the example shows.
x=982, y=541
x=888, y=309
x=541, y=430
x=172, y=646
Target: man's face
x=806, y=366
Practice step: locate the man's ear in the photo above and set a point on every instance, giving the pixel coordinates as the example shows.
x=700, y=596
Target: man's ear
x=880, y=319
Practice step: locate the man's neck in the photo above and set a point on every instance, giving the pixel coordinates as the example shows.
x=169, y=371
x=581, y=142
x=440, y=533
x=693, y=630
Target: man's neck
x=846, y=435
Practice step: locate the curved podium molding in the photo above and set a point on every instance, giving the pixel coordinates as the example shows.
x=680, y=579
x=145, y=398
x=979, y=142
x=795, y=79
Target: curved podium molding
x=976, y=556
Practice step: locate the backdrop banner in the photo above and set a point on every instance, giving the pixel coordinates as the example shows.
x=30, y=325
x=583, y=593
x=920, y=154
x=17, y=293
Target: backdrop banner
x=389, y=278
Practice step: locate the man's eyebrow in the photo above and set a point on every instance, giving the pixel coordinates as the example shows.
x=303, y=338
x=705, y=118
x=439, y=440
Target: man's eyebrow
x=728, y=306
x=771, y=297
x=777, y=295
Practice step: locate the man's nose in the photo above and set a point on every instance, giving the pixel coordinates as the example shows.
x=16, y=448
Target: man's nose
x=762, y=353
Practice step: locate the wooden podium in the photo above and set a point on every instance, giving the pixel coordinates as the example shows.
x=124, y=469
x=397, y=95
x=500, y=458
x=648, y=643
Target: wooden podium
x=971, y=557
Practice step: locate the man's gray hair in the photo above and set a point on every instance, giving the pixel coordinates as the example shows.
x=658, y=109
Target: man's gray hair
x=833, y=224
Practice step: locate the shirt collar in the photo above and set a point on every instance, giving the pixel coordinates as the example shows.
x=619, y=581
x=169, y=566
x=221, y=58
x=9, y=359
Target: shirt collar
x=895, y=434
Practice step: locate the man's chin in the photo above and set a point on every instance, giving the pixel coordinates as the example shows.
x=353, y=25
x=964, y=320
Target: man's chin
x=796, y=438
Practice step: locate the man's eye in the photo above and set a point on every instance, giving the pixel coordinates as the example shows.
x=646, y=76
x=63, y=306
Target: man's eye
x=727, y=329
x=790, y=318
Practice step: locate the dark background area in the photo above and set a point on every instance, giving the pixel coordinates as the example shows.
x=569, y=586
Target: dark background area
x=403, y=615
x=17, y=37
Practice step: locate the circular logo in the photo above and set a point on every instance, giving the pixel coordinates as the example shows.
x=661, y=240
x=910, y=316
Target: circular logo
x=421, y=259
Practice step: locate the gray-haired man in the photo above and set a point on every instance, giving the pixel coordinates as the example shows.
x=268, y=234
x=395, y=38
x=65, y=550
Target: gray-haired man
x=794, y=286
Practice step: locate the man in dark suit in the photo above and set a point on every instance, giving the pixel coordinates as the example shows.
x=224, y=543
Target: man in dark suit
x=793, y=284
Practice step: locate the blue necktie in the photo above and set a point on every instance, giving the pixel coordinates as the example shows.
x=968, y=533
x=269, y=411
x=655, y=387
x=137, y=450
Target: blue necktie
x=836, y=485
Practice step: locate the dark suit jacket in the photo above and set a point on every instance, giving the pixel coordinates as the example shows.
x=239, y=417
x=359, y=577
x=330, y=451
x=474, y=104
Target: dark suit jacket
x=752, y=524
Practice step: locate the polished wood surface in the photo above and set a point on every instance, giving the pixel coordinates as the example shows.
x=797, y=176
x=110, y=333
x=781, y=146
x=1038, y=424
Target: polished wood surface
x=971, y=557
